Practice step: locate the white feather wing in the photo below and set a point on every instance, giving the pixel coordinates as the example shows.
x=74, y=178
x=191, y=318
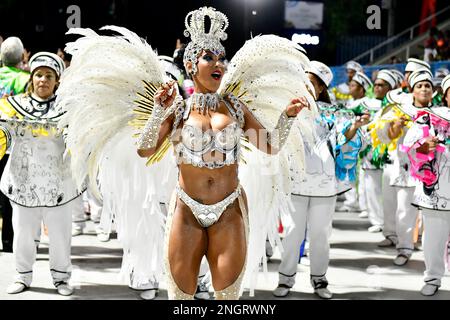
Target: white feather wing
x=97, y=92
x=266, y=73
x=133, y=194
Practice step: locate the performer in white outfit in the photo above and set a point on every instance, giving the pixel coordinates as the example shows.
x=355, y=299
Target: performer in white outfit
x=370, y=172
x=389, y=193
x=329, y=164
x=355, y=199
x=391, y=130
x=341, y=93
x=37, y=178
x=374, y=159
x=213, y=224
x=427, y=144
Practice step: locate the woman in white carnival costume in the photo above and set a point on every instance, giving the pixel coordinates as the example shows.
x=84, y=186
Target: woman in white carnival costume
x=246, y=106
x=330, y=170
x=208, y=215
x=37, y=177
x=427, y=144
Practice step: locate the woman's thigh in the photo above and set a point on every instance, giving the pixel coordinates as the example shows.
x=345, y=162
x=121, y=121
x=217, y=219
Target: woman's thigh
x=187, y=245
x=227, y=247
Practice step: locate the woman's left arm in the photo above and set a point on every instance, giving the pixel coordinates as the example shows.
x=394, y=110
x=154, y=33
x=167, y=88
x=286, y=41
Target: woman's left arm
x=272, y=142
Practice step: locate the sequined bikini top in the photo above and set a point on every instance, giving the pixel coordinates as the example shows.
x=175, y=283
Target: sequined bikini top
x=195, y=143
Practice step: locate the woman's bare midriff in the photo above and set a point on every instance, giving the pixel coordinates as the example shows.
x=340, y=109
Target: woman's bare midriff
x=208, y=186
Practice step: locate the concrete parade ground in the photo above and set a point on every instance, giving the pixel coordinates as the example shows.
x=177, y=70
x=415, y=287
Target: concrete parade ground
x=359, y=269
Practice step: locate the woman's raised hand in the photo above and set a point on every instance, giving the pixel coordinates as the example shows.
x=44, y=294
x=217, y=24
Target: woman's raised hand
x=297, y=104
x=166, y=94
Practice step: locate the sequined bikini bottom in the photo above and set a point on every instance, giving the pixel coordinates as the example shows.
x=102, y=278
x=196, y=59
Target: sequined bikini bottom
x=232, y=292
x=207, y=215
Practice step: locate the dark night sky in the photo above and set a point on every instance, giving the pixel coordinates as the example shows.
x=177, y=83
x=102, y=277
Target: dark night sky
x=162, y=22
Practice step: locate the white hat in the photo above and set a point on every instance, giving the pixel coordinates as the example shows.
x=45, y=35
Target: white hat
x=436, y=82
x=441, y=73
x=416, y=64
x=400, y=76
x=353, y=65
x=445, y=84
x=49, y=60
x=389, y=77
x=420, y=75
x=322, y=71
x=11, y=51
x=363, y=80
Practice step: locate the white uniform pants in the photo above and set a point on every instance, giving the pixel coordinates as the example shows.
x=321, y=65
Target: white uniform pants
x=351, y=199
x=318, y=214
x=26, y=222
x=96, y=210
x=355, y=198
x=95, y=206
x=92, y=205
x=361, y=190
x=389, y=205
x=371, y=189
x=405, y=222
x=79, y=216
x=435, y=237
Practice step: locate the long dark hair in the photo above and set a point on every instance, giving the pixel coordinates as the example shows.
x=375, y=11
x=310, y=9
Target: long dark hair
x=323, y=96
x=447, y=104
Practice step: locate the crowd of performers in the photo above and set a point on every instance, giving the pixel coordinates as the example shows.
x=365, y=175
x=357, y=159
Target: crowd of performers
x=195, y=160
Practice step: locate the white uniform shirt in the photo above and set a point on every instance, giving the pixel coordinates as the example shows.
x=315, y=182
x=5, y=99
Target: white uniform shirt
x=436, y=197
x=36, y=174
x=319, y=178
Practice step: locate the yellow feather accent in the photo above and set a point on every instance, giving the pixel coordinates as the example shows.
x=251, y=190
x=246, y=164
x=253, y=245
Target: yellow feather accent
x=381, y=123
x=41, y=131
x=143, y=112
x=7, y=110
x=3, y=144
x=235, y=89
x=144, y=105
x=160, y=153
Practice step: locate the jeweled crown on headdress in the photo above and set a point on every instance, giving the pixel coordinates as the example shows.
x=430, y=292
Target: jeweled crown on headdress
x=200, y=38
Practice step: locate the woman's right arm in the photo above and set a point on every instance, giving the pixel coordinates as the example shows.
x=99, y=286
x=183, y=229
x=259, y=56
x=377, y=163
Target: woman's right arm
x=359, y=122
x=160, y=124
x=147, y=149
